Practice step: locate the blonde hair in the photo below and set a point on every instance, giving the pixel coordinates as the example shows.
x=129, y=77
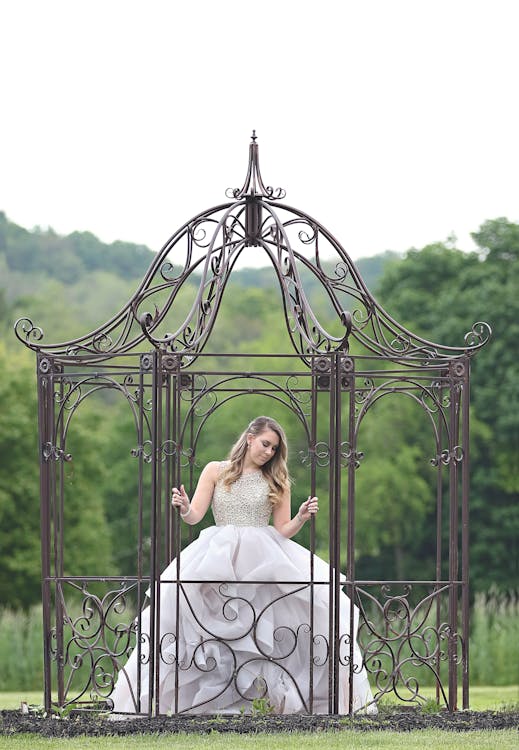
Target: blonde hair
x=275, y=470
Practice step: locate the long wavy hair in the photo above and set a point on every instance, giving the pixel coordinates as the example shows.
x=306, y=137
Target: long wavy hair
x=275, y=470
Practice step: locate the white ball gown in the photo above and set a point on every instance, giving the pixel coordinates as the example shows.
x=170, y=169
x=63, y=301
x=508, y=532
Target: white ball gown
x=245, y=625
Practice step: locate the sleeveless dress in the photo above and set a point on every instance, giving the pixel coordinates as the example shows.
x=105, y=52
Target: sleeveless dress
x=245, y=611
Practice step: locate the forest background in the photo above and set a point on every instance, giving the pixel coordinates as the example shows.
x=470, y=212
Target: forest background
x=70, y=285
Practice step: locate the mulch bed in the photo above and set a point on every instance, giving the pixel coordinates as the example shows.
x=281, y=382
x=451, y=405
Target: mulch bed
x=406, y=720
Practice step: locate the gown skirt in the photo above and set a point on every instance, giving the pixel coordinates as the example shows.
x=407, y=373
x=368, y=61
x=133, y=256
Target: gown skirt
x=250, y=627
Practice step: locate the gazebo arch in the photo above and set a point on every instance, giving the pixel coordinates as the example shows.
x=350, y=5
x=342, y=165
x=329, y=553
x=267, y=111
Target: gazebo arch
x=328, y=381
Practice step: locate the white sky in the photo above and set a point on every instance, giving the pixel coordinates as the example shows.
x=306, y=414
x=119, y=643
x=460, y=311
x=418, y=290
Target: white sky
x=394, y=122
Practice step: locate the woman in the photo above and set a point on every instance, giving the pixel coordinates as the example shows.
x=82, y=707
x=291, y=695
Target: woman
x=250, y=625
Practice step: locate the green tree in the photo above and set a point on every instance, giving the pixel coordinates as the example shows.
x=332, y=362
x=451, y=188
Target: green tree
x=456, y=290
x=86, y=533
x=395, y=489
x=19, y=482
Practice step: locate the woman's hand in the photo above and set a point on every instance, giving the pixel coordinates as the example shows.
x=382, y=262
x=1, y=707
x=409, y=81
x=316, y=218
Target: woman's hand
x=283, y=521
x=307, y=509
x=179, y=499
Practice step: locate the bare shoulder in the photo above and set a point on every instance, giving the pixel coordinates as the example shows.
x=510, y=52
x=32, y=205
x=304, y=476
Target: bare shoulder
x=211, y=471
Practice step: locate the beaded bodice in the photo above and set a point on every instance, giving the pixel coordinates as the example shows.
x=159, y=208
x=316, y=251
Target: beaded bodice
x=244, y=503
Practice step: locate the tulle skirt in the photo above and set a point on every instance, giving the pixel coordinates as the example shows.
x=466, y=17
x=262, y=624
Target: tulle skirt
x=249, y=628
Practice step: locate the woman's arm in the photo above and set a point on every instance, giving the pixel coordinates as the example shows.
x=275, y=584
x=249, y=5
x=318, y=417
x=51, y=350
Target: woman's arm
x=193, y=512
x=282, y=517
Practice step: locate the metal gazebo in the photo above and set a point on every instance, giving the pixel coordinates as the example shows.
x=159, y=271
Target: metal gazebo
x=328, y=382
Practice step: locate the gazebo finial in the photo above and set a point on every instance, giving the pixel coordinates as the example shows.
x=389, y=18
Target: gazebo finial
x=254, y=185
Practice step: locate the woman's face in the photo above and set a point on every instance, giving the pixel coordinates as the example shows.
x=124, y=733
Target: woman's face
x=263, y=447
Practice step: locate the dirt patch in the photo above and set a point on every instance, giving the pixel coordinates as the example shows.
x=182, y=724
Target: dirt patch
x=95, y=725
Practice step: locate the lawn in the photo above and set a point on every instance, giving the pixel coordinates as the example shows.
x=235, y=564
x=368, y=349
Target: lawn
x=504, y=740
x=481, y=698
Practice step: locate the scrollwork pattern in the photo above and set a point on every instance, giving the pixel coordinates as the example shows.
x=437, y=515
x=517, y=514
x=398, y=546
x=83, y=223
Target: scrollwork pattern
x=350, y=457
x=54, y=453
x=401, y=640
x=447, y=456
x=478, y=335
x=286, y=639
x=95, y=641
x=318, y=455
x=288, y=237
x=26, y=331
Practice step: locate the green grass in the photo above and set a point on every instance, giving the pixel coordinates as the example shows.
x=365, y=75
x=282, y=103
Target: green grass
x=13, y=699
x=503, y=739
x=481, y=697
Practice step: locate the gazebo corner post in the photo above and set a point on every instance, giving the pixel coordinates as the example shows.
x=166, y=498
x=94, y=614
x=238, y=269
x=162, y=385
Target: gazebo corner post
x=155, y=506
x=332, y=438
x=465, y=539
x=159, y=454
x=337, y=383
x=143, y=371
x=44, y=432
x=59, y=522
x=177, y=521
x=454, y=387
x=350, y=385
x=313, y=467
x=439, y=526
